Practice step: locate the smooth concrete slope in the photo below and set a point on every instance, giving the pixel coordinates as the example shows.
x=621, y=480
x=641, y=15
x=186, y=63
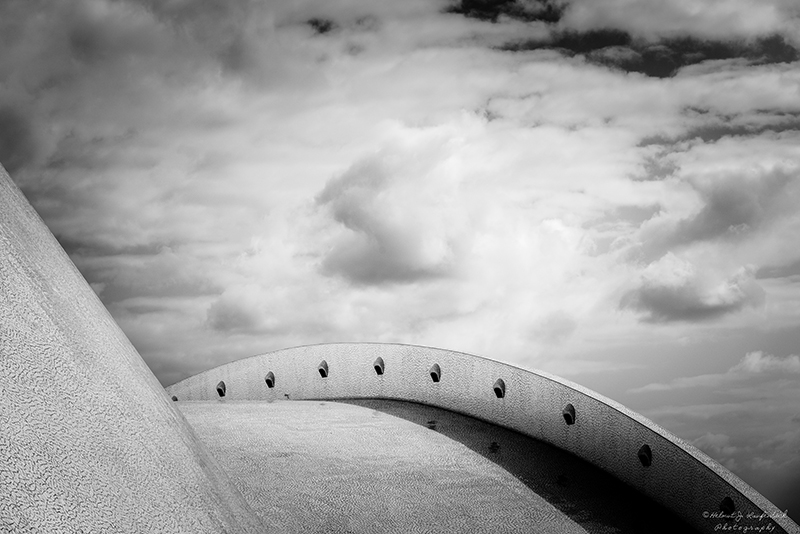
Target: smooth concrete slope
x=391, y=467
x=596, y=429
x=89, y=442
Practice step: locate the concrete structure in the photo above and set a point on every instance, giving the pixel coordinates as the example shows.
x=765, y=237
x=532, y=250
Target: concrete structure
x=382, y=466
x=90, y=442
x=544, y=407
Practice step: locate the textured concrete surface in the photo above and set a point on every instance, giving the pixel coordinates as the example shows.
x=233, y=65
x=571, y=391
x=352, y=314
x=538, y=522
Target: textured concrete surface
x=605, y=433
x=89, y=441
x=392, y=466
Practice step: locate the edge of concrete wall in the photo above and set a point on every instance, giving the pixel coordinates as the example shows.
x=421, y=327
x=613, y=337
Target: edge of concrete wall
x=604, y=432
x=89, y=440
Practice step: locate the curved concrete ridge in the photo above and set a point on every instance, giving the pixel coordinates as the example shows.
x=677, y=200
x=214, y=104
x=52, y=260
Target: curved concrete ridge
x=603, y=432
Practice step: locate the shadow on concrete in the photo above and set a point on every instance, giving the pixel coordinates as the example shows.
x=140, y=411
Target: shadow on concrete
x=595, y=500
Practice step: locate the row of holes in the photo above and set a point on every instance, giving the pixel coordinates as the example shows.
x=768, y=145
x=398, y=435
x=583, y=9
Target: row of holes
x=379, y=366
x=435, y=372
x=645, y=453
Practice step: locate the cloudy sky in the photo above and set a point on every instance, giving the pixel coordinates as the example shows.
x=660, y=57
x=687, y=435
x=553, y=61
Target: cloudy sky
x=608, y=190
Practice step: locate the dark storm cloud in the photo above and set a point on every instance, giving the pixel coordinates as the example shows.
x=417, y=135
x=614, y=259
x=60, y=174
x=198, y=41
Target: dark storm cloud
x=661, y=58
x=17, y=141
x=525, y=10
x=687, y=300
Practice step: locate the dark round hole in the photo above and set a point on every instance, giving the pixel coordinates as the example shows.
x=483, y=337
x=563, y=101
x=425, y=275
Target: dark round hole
x=727, y=506
x=174, y=398
x=569, y=414
x=435, y=372
x=221, y=388
x=379, y=366
x=323, y=369
x=645, y=455
x=500, y=388
x=270, y=379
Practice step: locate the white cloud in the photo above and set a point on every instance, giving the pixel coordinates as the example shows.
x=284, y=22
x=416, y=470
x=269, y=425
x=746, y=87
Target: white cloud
x=503, y=179
x=671, y=289
x=759, y=362
x=405, y=214
x=711, y=19
x=753, y=364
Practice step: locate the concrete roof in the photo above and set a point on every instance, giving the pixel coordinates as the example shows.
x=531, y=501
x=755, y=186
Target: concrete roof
x=607, y=435
x=366, y=466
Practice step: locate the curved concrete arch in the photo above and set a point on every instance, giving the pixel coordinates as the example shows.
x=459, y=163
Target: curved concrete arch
x=621, y=442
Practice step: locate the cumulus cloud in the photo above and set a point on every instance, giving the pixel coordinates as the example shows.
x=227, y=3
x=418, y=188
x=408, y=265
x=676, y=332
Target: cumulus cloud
x=706, y=19
x=405, y=217
x=733, y=207
x=671, y=289
x=242, y=309
x=759, y=362
x=736, y=205
x=753, y=364
x=204, y=120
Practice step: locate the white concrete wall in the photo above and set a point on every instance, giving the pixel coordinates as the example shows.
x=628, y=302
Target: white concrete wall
x=608, y=435
x=89, y=441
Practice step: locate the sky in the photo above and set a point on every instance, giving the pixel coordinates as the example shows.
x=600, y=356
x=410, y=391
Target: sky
x=607, y=190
